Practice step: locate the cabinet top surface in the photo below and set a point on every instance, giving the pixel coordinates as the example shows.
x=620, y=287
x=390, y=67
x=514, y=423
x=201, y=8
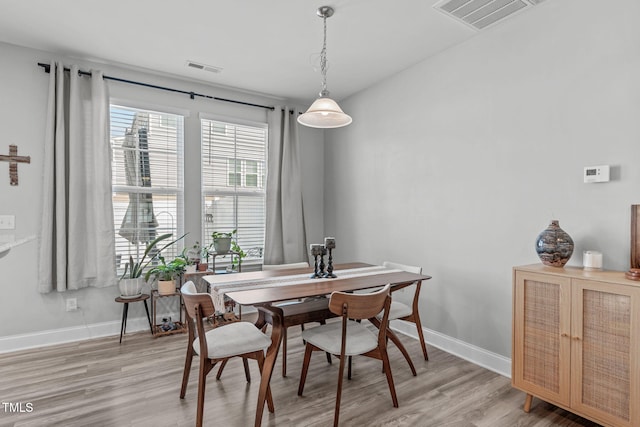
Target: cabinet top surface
x=610, y=276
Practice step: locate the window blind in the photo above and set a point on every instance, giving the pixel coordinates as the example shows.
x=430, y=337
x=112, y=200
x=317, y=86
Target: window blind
x=233, y=182
x=147, y=176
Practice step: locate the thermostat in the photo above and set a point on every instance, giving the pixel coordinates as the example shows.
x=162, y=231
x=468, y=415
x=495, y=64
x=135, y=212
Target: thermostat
x=596, y=174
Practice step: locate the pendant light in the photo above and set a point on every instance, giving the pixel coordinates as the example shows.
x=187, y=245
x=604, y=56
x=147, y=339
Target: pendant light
x=324, y=112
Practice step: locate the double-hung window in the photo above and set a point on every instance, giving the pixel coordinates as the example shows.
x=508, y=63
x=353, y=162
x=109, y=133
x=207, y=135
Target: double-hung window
x=233, y=182
x=147, y=177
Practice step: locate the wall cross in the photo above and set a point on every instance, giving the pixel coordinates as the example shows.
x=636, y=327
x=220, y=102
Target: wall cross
x=13, y=160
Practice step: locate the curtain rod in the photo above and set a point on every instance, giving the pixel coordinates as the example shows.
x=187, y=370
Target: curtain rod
x=192, y=95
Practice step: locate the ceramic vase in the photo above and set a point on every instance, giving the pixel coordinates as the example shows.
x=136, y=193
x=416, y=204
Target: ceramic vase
x=554, y=246
x=131, y=288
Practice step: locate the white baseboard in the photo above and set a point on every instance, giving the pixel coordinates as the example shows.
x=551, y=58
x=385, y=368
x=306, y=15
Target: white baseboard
x=477, y=355
x=487, y=359
x=65, y=335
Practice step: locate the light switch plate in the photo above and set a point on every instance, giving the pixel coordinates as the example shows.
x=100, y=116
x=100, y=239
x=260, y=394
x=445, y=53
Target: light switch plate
x=72, y=304
x=7, y=222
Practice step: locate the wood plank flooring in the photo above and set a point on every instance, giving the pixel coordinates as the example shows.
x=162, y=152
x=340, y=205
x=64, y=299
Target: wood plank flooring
x=136, y=383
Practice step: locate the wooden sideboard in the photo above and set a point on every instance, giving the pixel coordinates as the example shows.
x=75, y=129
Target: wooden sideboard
x=576, y=341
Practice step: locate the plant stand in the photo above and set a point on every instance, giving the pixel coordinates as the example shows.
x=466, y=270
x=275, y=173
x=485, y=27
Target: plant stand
x=125, y=311
x=157, y=327
x=230, y=253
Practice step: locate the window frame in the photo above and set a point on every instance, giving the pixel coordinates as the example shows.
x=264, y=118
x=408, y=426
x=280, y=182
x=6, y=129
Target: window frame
x=160, y=116
x=259, y=191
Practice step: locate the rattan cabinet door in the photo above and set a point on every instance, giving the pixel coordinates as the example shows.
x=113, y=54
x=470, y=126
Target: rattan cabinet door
x=605, y=351
x=541, y=341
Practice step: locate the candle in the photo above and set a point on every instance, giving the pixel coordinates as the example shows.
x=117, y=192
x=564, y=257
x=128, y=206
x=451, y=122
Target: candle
x=330, y=242
x=592, y=260
x=316, y=249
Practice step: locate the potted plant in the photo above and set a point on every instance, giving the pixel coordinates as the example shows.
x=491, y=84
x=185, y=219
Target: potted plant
x=191, y=257
x=167, y=273
x=240, y=254
x=222, y=241
x=204, y=254
x=131, y=281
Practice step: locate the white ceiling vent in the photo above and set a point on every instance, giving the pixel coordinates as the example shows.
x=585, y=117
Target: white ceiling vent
x=480, y=14
x=204, y=67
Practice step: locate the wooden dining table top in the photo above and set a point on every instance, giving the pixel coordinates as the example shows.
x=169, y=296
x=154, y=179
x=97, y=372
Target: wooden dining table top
x=320, y=286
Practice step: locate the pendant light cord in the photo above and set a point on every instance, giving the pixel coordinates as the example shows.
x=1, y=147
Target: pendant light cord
x=323, y=60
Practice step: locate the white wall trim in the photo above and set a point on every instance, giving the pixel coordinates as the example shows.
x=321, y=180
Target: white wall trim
x=487, y=359
x=65, y=335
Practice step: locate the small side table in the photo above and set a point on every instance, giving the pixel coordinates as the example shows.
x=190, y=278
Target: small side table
x=125, y=311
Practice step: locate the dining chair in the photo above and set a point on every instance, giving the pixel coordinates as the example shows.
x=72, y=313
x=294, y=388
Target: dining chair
x=402, y=311
x=298, y=312
x=351, y=338
x=237, y=339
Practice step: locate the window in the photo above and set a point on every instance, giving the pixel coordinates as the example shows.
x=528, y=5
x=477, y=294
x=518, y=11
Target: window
x=233, y=182
x=147, y=177
x=244, y=173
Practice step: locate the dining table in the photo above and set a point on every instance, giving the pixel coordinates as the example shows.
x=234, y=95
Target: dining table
x=265, y=289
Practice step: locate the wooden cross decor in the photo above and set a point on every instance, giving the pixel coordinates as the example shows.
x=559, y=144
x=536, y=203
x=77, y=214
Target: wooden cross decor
x=13, y=160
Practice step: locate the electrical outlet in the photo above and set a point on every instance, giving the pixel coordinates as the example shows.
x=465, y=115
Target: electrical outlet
x=7, y=222
x=72, y=304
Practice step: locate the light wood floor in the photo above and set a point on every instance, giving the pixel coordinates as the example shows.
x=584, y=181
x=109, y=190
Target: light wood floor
x=136, y=383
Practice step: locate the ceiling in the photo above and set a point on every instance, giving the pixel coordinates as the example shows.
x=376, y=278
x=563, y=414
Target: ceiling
x=267, y=47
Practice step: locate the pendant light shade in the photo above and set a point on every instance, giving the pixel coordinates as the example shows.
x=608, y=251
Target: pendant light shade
x=324, y=112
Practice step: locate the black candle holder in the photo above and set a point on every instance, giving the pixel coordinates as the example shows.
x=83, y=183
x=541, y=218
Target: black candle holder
x=316, y=251
x=321, y=266
x=330, y=274
x=315, y=273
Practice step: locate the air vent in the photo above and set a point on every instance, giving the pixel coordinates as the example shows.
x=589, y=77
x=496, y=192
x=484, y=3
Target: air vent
x=480, y=14
x=204, y=67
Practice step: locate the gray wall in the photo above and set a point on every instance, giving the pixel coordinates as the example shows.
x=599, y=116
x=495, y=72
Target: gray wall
x=23, y=91
x=457, y=163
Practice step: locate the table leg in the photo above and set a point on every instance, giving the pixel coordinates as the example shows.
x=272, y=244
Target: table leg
x=270, y=361
x=123, y=325
x=146, y=308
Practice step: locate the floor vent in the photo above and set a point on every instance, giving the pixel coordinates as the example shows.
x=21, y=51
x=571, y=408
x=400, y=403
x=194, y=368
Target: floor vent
x=204, y=67
x=481, y=14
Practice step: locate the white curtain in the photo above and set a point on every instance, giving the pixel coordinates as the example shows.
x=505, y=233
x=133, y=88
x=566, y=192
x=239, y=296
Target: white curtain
x=76, y=241
x=285, y=240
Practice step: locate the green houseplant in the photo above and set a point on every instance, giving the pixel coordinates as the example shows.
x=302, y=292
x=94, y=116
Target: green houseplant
x=204, y=258
x=166, y=273
x=236, y=261
x=222, y=241
x=131, y=281
x=191, y=257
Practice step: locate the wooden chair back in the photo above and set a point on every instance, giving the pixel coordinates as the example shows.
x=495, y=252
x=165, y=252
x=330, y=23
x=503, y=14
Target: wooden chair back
x=360, y=306
x=200, y=301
